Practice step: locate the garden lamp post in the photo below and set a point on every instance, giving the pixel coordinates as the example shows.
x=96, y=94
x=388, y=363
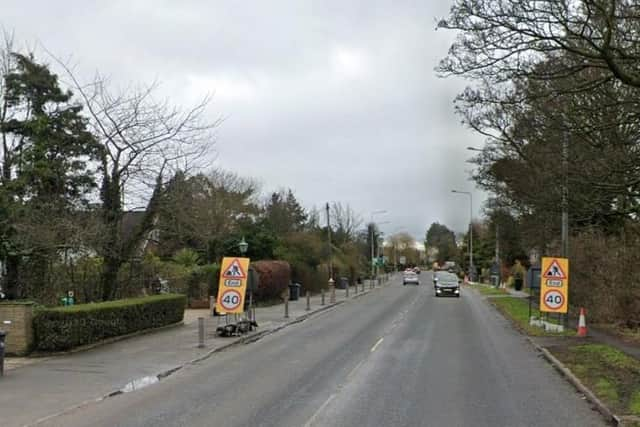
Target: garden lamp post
x=243, y=246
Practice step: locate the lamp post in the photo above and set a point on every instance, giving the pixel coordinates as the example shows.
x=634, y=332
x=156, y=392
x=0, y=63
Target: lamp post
x=471, y=266
x=329, y=241
x=243, y=246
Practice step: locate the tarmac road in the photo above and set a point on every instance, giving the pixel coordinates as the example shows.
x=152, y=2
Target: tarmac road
x=395, y=357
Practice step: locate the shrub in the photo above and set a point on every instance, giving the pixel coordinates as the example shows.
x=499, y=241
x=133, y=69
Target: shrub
x=203, y=281
x=63, y=328
x=274, y=278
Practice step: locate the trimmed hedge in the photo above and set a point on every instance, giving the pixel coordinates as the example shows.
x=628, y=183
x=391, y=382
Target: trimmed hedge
x=274, y=279
x=63, y=328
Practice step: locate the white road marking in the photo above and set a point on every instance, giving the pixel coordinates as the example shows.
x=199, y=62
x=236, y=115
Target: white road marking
x=376, y=345
x=315, y=415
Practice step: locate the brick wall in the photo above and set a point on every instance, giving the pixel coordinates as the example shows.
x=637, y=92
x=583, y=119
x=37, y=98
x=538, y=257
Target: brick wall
x=19, y=331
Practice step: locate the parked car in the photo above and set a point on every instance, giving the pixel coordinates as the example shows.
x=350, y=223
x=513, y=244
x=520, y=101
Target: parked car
x=446, y=284
x=416, y=270
x=410, y=277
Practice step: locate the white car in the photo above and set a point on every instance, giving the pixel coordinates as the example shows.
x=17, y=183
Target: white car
x=410, y=277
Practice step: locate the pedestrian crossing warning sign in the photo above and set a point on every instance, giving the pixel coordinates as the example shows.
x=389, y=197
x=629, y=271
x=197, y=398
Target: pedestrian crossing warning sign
x=234, y=270
x=554, y=271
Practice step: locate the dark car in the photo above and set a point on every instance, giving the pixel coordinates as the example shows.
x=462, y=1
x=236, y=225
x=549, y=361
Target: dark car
x=446, y=284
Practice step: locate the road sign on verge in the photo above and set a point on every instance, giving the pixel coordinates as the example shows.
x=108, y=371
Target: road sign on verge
x=554, y=285
x=232, y=285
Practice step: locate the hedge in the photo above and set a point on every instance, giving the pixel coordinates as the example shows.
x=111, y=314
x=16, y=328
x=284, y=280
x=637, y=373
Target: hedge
x=274, y=279
x=63, y=328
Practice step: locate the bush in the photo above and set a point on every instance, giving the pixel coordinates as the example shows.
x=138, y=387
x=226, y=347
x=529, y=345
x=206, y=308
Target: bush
x=63, y=328
x=274, y=279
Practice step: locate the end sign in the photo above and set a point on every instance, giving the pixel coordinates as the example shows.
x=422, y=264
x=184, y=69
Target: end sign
x=554, y=285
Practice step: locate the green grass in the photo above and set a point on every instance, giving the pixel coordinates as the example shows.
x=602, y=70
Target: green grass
x=634, y=403
x=517, y=310
x=489, y=290
x=612, y=375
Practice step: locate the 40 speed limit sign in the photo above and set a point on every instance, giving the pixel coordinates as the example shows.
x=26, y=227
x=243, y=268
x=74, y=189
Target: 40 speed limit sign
x=554, y=285
x=232, y=286
x=553, y=300
x=230, y=300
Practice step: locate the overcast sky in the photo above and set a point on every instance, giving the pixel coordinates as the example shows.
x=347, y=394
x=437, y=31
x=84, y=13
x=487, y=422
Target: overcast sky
x=337, y=100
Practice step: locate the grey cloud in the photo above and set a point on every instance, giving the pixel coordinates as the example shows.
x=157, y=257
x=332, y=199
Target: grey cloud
x=337, y=100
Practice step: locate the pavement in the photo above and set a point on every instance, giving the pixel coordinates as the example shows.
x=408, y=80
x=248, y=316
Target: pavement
x=398, y=356
x=42, y=387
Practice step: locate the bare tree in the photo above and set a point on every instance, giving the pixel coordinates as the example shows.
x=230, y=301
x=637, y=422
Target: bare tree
x=346, y=223
x=143, y=139
x=503, y=40
x=201, y=209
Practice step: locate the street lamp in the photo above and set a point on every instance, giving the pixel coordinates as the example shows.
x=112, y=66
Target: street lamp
x=243, y=246
x=471, y=267
x=379, y=212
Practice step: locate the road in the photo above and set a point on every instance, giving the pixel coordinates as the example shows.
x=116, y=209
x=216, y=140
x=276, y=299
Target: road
x=395, y=357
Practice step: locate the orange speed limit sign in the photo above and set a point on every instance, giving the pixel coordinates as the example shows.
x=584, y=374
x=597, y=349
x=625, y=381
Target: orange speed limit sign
x=232, y=285
x=554, y=285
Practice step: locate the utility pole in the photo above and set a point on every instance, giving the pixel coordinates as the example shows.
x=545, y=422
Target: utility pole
x=497, y=243
x=329, y=240
x=471, y=266
x=371, y=227
x=372, y=236
x=565, y=194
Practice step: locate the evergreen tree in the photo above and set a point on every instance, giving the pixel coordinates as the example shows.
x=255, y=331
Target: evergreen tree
x=46, y=165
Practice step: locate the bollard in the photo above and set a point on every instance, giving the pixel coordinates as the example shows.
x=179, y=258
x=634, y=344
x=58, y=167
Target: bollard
x=200, y=332
x=308, y=300
x=348, y=285
x=322, y=296
x=286, y=308
x=363, y=286
x=2, y=335
x=355, y=289
x=332, y=291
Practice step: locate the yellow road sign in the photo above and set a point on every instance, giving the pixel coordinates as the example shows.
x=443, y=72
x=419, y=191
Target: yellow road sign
x=232, y=285
x=554, y=285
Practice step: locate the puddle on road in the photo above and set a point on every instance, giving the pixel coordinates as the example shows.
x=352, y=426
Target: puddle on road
x=140, y=383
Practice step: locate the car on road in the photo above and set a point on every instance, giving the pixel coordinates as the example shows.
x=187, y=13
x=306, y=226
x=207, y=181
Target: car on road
x=410, y=277
x=446, y=284
x=416, y=269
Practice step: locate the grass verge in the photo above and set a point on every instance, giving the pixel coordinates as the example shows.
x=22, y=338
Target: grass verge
x=489, y=290
x=626, y=334
x=613, y=376
x=517, y=310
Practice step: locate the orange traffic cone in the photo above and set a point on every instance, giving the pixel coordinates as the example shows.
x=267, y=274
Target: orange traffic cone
x=582, y=324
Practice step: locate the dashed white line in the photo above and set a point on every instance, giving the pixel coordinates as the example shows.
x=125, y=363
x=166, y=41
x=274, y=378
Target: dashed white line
x=376, y=345
x=315, y=415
